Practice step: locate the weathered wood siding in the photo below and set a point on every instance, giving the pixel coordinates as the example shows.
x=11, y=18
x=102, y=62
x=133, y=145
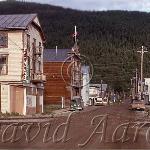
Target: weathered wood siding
x=55, y=87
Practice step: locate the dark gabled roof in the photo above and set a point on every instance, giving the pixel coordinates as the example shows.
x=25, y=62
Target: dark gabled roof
x=51, y=55
x=16, y=21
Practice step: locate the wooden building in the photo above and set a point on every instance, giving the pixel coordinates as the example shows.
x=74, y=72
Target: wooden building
x=56, y=69
x=21, y=64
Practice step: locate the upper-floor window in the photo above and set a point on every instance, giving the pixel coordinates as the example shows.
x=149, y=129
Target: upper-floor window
x=34, y=45
x=40, y=47
x=3, y=39
x=28, y=42
x=3, y=64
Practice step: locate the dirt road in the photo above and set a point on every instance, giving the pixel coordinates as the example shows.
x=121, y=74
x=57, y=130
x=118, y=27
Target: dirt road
x=113, y=127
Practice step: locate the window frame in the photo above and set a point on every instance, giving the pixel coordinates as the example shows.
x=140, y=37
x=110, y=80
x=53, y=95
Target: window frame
x=6, y=56
x=6, y=35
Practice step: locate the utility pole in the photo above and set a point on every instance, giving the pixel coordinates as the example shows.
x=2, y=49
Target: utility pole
x=101, y=87
x=136, y=81
x=142, y=54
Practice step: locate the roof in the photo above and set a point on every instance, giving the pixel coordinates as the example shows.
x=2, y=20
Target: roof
x=53, y=55
x=19, y=21
x=16, y=21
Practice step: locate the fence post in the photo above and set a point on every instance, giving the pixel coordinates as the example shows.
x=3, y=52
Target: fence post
x=62, y=102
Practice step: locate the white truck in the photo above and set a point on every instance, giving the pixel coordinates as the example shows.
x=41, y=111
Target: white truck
x=96, y=98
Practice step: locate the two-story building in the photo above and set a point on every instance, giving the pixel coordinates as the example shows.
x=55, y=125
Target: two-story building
x=21, y=64
x=58, y=79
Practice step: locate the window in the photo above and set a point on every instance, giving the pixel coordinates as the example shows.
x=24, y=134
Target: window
x=3, y=39
x=39, y=66
x=34, y=56
x=3, y=64
x=40, y=47
x=28, y=42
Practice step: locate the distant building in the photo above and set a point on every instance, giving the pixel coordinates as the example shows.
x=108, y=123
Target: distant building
x=85, y=89
x=58, y=77
x=147, y=90
x=102, y=88
x=21, y=64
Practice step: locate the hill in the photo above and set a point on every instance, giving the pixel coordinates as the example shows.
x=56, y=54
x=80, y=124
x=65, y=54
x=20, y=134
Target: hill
x=109, y=38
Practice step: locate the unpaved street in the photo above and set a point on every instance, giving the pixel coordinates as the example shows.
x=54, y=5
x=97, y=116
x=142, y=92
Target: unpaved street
x=96, y=127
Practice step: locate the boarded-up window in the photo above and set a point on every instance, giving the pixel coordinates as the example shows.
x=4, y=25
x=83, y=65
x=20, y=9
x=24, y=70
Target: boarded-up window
x=3, y=65
x=3, y=39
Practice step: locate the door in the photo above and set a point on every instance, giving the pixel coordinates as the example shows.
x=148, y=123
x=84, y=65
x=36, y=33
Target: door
x=17, y=99
x=19, y=104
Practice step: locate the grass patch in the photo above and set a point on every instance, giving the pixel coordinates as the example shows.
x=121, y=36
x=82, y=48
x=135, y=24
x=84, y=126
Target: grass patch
x=7, y=114
x=48, y=109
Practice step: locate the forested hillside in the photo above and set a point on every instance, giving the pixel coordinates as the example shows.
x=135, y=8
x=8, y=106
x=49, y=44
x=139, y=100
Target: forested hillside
x=110, y=39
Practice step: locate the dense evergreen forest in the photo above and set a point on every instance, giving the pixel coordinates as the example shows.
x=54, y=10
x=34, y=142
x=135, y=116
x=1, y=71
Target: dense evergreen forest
x=109, y=38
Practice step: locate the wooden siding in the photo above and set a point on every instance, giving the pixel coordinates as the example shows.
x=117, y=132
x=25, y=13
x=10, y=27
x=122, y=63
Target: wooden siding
x=55, y=87
x=17, y=99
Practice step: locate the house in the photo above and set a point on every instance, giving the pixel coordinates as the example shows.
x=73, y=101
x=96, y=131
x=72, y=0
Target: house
x=57, y=86
x=21, y=64
x=102, y=88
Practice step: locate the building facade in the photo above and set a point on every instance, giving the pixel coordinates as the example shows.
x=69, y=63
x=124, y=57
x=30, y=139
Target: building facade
x=58, y=77
x=21, y=64
x=86, y=79
x=146, y=91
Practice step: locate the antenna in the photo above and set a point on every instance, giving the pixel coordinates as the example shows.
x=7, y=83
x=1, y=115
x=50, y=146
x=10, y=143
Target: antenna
x=75, y=33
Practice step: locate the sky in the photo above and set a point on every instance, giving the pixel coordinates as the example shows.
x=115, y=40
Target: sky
x=133, y=5
x=98, y=5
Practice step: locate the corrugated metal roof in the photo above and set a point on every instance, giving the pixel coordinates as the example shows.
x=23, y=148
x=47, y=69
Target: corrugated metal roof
x=15, y=21
x=51, y=55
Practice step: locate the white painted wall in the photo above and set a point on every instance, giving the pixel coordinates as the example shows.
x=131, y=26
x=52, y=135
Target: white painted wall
x=147, y=82
x=5, y=96
x=85, y=89
x=14, y=51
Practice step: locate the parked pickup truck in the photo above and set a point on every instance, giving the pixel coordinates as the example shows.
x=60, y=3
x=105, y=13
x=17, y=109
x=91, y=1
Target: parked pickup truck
x=100, y=101
x=137, y=105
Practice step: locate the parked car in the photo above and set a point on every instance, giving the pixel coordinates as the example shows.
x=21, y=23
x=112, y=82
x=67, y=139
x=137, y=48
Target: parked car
x=137, y=105
x=76, y=103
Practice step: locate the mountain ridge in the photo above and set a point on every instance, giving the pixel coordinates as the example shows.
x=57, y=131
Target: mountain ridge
x=106, y=37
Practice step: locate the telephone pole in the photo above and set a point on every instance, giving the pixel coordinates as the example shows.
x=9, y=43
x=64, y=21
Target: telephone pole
x=141, y=80
x=136, y=81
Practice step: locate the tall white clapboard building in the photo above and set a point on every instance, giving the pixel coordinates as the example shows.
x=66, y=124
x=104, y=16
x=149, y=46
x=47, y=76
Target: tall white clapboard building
x=21, y=64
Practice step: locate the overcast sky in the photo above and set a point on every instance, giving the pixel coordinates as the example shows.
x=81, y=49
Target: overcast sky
x=140, y=5
x=133, y=5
